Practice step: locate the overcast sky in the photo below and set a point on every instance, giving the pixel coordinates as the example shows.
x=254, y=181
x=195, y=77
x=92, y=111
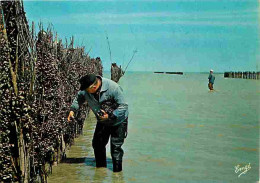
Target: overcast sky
x=169, y=35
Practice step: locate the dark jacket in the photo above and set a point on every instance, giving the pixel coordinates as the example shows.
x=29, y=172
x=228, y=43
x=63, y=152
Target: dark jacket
x=211, y=78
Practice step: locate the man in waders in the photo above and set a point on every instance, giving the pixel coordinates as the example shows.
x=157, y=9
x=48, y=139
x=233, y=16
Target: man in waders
x=211, y=79
x=96, y=90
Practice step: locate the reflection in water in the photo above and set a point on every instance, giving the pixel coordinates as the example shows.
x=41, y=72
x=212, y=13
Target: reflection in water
x=118, y=177
x=103, y=174
x=100, y=174
x=74, y=160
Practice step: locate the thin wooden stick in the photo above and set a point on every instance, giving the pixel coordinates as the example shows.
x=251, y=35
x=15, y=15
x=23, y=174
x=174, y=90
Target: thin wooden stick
x=109, y=48
x=134, y=52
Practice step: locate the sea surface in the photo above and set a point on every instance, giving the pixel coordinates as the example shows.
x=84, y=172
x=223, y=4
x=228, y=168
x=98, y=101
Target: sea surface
x=179, y=132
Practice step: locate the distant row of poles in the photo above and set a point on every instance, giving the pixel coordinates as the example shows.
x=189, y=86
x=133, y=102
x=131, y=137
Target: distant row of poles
x=243, y=75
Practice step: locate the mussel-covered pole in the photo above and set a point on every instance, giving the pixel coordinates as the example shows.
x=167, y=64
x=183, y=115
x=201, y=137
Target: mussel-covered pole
x=38, y=79
x=6, y=163
x=18, y=115
x=244, y=75
x=116, y=72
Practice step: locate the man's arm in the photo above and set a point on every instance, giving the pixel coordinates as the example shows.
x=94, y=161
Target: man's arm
x=77, y=102
x=122, y=111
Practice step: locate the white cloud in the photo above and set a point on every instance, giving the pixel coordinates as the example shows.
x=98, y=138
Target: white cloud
x=224, y=18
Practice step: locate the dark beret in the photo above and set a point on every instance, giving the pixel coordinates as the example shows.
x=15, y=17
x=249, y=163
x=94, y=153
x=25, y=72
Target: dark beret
x=86, y=81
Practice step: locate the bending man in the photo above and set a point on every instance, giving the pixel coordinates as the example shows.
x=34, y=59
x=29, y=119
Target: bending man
x=111, y=121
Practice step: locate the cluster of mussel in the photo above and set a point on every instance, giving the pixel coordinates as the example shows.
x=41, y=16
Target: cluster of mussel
x=38, y=81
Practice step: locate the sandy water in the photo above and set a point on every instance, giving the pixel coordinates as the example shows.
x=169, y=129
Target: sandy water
x=178, y=132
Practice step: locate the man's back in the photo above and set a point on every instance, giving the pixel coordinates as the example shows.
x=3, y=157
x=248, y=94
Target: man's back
x=211, y=78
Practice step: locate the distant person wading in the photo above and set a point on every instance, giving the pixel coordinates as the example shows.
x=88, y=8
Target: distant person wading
x=105, y=98
x=211, y=80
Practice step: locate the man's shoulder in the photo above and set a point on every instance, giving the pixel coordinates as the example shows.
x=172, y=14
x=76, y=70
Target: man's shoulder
x=109, y=82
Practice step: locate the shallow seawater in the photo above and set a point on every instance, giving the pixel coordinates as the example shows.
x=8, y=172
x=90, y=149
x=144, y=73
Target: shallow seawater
x=178, y=132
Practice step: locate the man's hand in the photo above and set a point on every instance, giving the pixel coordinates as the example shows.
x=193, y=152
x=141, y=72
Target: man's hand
x=104, y=117
x=71, y=115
